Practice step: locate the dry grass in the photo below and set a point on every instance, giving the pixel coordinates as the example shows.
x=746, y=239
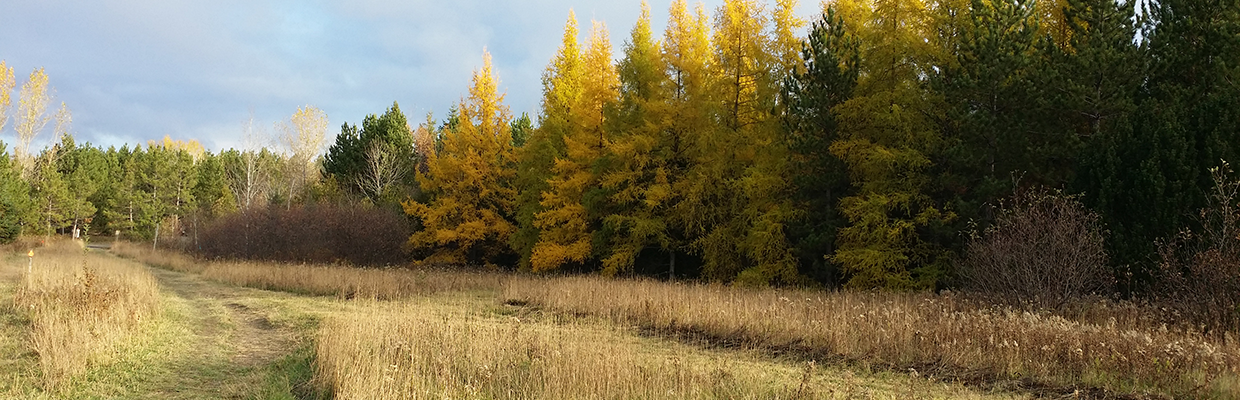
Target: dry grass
x=940, y=334
x=80, y=307
x=1118, y=348
x=414, y=351
x=330, y=280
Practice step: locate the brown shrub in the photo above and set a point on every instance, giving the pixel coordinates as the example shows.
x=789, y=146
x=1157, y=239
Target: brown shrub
x=1199, y=278
x=1045, y=249
x=313, y=233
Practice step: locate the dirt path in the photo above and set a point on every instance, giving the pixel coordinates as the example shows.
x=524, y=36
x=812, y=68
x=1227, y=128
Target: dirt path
x=224, y=342
x=227, y=316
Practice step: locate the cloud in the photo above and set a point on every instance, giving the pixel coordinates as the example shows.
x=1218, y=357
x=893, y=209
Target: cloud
x=138, y=70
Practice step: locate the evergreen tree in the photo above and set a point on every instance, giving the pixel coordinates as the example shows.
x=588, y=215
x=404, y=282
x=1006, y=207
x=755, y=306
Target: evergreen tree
x=825, y=80
x=993, y=130
x=15, y=205
x=50, y=192
x=1147, y=171
x=521, y=129
x=85, y=169
x=353, y=157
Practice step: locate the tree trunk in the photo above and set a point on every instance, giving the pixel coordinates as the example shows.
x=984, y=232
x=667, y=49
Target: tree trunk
x=671, y=270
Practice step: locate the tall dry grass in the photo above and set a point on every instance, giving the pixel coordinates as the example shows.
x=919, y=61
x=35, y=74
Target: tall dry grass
x=943, y=335
x=80, y=307
x=320, y=279
x=412, y=353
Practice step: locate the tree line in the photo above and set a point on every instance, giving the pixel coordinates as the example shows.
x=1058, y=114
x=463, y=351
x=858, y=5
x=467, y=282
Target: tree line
x=728, y=148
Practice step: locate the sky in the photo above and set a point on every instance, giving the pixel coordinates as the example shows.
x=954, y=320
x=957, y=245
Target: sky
x=132, y=71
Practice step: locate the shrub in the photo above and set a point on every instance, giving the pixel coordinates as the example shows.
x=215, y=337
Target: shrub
x=313, y=233
x=1044, y=249
x=1200, y=272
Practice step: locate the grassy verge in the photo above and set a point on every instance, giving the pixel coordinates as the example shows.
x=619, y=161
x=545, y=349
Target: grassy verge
x=77, y=308
x=932, y=334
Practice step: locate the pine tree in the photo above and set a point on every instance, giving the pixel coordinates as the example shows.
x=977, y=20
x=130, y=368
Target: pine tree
x=50, y=192
x=15, y=203
x=86, y=172
x=470, y=179
x=993, y=110
x=1148, y=164
x=363, y=157
x=825, y=80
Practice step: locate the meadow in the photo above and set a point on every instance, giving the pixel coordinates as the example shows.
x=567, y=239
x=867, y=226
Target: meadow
x=90, y=324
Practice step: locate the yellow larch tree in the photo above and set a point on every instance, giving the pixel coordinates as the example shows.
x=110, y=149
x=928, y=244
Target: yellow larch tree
x=739, y=202
x=688, y=58
x=637, y=167
x=786, y=39
x=886, y=139
x=562, y=90
x=467, y=218
x=1053, y=22
x=565, y=223
x=191, y=147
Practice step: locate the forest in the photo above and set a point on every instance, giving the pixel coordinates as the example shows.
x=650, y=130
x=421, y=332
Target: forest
x=896, y=144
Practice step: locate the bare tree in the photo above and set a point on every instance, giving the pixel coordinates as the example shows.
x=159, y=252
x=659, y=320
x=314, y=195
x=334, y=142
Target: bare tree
x=6, y=93
x=64, y=120
x=249, y=181
x=303, y=135
x=383, y=169
x=31, y=117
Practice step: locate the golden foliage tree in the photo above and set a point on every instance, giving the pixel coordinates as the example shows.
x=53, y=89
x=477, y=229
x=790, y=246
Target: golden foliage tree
x=469, y=181
x=637, y=167
x=886, y=139
x=688, y=57
x=303, y=135
x=31, y=117
x=565, y=224
x=562, y=89
x=7, y=83
x=741, y=203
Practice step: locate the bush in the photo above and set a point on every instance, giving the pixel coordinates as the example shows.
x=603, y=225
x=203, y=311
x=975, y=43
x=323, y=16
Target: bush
x=314, y=233
x=1200, y=272
x=1044, y=249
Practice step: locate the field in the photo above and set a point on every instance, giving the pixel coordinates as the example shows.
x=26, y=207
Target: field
x=163, y=325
